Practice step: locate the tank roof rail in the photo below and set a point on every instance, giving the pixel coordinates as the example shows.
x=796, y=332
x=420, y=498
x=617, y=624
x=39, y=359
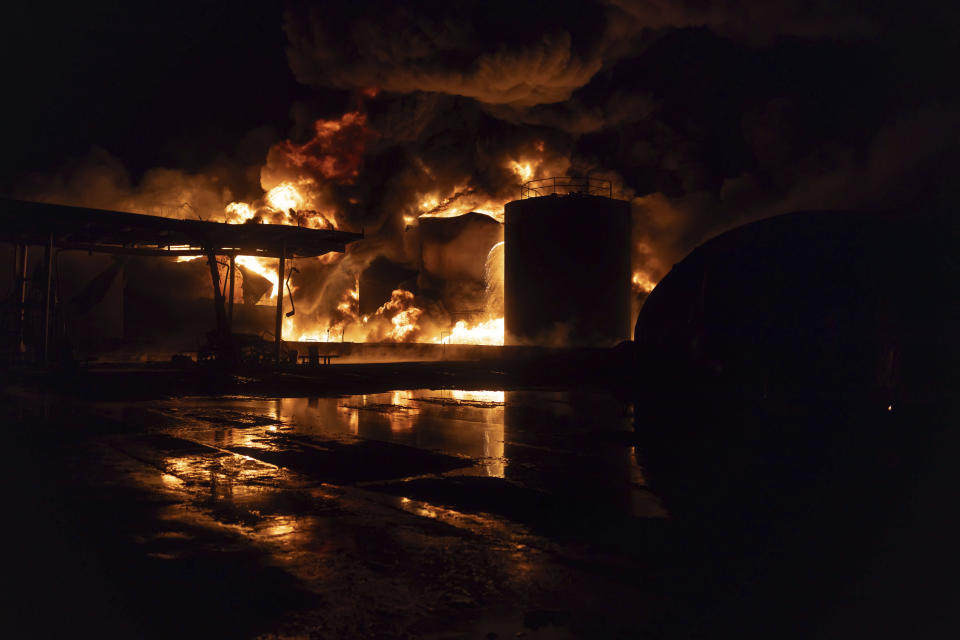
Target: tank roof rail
x=566, y=185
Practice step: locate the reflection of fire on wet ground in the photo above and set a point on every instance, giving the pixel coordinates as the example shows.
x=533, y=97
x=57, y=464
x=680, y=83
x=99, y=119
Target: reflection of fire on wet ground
x=380, y=407
x=480, y=404
x=422, y=525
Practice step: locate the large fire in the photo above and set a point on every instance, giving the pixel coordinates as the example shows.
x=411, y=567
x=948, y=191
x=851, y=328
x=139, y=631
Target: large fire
x=335, y=153
x=285, y=197
x=294, y=193
x=464, y=198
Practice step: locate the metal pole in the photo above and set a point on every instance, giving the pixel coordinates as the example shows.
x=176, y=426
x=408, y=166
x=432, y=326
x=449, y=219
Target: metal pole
x=232, y=276
x=48, y=258
x=22, y=315
x=217, y=294
x=278, y=333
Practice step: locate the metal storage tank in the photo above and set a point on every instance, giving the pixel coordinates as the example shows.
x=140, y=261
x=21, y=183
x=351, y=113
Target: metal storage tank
x=453, y=254
x=567, y=265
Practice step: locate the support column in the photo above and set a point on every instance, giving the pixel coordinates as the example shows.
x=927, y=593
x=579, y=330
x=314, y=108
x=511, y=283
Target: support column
x=48, y=259
x=232, y=275
x=217, y=294
x=22, y=312
x=278, y=333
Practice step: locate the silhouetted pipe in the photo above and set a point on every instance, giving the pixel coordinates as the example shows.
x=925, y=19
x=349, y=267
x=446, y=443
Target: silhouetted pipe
x=278, y=333
x=48, y=259
x=217, y=294
x=22, y=315
x=232, y=276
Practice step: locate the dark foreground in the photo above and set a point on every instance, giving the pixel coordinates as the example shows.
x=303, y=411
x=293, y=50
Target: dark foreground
x=404, y=514
x=253, y=508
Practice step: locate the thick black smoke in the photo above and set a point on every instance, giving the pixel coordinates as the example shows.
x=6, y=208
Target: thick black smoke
x=705, y=114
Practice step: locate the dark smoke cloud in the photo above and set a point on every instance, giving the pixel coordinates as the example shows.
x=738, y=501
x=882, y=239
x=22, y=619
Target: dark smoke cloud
x=494, y=52
x=522, y=55
x=756, y=20
x=704, y=114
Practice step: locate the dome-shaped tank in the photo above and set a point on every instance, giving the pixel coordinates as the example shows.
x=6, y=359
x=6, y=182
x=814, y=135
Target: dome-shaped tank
x=788, y=364
x=808, y=302
x=567, y=269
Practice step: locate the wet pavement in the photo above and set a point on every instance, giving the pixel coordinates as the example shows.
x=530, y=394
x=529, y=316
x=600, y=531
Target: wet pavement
x=406, y=514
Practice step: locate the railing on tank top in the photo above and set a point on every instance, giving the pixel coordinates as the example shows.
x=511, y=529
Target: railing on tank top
x=565, y=185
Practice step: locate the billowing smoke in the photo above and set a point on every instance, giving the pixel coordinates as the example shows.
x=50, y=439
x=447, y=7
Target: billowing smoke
x=704, y=115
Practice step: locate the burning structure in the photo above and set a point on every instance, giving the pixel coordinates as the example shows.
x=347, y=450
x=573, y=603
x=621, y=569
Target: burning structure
x=453, y=294
x=40, y=326
x=393, y=144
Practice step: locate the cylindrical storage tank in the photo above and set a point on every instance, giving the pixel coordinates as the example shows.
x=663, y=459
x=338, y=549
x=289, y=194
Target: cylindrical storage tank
x=567, y=271
x=453, y=253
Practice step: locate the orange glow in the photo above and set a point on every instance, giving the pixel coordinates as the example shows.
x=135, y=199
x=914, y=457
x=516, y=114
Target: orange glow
x=429, y=203
x=460, y=201
x=284, y=197
x=334, y=154
x=266, y=267
x=477, y=396
x=405, y=325
x=465, y=198
x=239, y=212
x=300, y=182
x=351, y=300
x=642, y=283
x=523, y=170
x=324, y=329
x=488, y=332
x=402, y=318
x=400, y=412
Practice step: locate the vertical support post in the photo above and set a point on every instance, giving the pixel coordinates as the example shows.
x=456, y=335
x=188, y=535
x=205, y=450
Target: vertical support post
x=22, y=312
x=232, y=275
x=278, y=333
x=48, y=259
x=217, y=294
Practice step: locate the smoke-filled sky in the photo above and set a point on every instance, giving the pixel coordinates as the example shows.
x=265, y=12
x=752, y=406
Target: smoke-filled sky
x=703, y=113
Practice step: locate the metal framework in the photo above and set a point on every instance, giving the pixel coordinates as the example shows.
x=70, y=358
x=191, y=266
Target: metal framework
x=60, y=227
x=566, y=184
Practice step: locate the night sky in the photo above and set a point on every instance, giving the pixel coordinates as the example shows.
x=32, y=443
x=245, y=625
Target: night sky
x=704, y=114
x=154, y=83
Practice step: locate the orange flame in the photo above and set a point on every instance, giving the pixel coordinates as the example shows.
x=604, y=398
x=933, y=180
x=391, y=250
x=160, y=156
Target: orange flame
x=404, y=316
x=487, y=332
x=335, y=152
x=285, y=197
x=643, y=283
x=266, y=267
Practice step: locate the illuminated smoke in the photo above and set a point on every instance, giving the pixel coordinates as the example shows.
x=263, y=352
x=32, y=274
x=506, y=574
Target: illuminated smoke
x=454, y=106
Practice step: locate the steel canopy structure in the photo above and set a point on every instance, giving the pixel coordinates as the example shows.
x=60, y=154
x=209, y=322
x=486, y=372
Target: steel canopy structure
x=60, y=227
x=102, y=230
